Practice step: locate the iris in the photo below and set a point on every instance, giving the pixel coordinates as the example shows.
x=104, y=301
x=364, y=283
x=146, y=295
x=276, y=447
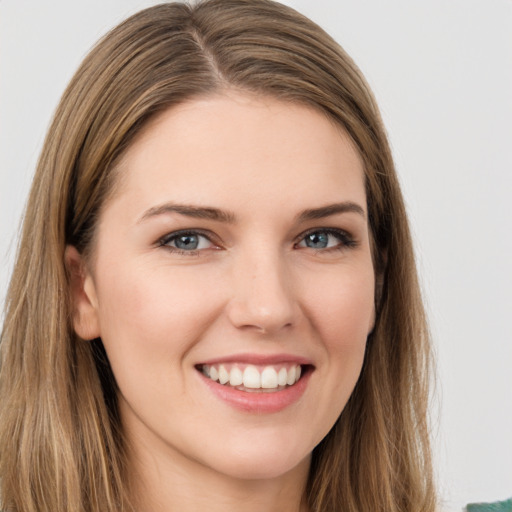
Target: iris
x=317, y=240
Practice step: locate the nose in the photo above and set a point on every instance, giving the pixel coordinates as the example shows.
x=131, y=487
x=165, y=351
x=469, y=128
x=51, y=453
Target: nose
x=262, y=295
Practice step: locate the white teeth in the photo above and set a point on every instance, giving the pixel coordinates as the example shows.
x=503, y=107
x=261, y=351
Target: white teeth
x=252, y=377
x=282, y=377
x=223, y=375
x=236, y=377
x=291, y=376
x=269, y=378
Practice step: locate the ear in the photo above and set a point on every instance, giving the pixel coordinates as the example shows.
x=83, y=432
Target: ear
x=380, y=276
x=373, y=318
x=380, y=264
x=83, y=295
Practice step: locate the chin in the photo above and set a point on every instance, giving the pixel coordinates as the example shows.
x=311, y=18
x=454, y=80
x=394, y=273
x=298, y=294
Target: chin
x=262, y=461
x=264, y=469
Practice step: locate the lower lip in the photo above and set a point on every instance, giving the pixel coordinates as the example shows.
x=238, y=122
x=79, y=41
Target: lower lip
x=259, y=401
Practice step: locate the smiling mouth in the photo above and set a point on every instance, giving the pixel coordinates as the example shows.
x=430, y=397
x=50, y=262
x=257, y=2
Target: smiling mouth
x=254, y=378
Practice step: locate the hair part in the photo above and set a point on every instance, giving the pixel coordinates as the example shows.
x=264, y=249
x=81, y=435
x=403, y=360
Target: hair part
x=61, y=442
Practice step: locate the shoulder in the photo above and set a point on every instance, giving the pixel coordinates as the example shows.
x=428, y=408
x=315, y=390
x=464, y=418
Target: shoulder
x=498, y=506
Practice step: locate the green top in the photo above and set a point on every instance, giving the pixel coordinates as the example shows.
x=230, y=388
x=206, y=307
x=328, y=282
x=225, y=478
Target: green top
x=498, y=506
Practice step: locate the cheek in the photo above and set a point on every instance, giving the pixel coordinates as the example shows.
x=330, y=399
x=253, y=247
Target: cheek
x=143, y=308
x=342, y=313
x=341, y=306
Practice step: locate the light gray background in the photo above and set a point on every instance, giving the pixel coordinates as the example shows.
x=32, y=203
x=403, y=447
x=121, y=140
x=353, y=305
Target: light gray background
x=442, y=74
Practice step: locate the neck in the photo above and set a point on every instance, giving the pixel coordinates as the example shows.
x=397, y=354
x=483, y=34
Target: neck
x=166, y=483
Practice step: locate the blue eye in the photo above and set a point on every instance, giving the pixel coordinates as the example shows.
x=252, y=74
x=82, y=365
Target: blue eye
x=326, y=239
x=317, y=240
x=188, y=241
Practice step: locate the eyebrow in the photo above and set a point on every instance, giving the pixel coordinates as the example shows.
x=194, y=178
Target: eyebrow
x=197, y=212
x=331, y=209
x=216, y=214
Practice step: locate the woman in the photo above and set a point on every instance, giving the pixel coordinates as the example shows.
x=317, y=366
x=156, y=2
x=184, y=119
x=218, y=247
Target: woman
x=215, y=301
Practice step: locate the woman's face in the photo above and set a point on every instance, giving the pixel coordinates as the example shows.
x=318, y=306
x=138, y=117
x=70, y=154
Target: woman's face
x=234, y=252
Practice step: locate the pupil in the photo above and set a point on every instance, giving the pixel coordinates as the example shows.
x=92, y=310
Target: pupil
x=317, y=240
x=187, y=242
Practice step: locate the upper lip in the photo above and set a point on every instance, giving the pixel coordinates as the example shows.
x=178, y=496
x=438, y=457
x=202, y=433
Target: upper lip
x=259, y=359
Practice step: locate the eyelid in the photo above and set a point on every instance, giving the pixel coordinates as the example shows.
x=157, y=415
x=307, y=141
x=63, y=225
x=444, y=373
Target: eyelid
x=345, y=238
x=164, y=240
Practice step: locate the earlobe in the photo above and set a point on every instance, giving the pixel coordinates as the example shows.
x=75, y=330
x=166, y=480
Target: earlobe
x=83, y=296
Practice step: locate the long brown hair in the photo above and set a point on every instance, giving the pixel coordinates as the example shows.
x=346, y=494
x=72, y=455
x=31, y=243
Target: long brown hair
x=61, y=445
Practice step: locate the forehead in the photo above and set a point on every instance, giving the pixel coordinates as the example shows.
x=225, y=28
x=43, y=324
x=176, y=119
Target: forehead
x=239, y=148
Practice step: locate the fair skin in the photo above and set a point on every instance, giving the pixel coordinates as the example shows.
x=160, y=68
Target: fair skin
x=217, y=249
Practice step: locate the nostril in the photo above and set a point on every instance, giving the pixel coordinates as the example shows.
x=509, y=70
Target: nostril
x=259, y=320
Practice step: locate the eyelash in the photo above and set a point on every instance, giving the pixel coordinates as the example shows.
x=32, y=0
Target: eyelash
x=167, y=239
x=345, y=239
